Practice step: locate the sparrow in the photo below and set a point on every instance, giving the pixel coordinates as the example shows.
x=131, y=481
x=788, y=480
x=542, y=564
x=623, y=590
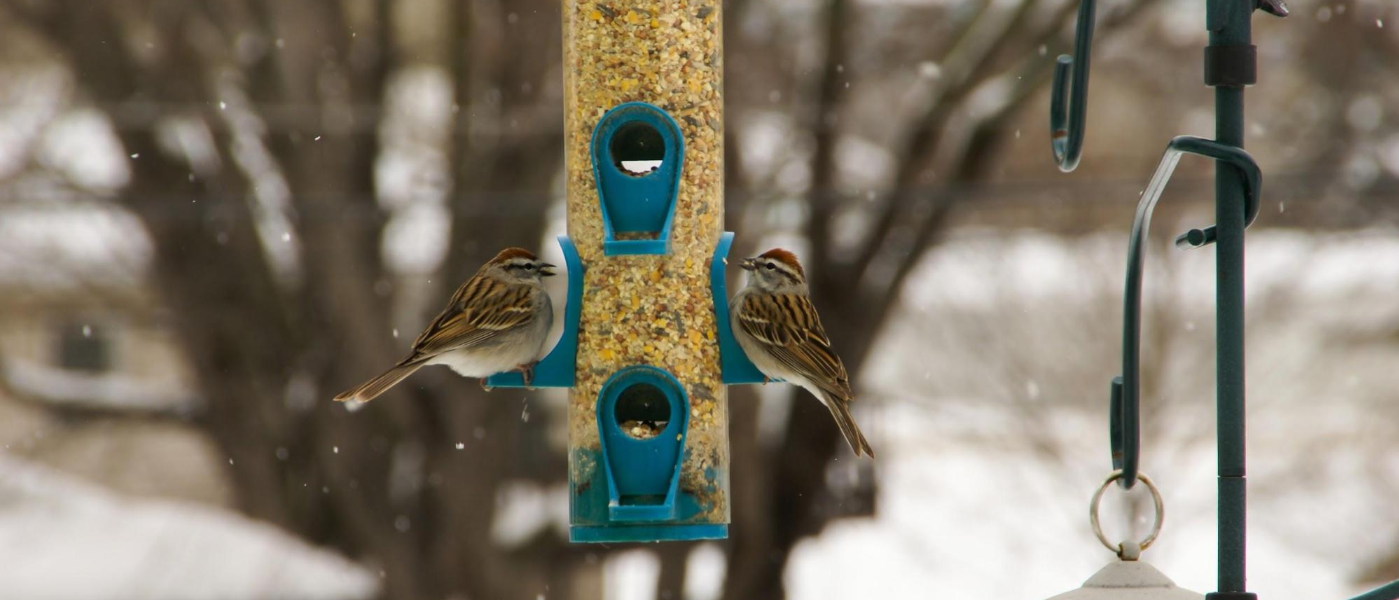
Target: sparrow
x=497, y=321
x=777, y=327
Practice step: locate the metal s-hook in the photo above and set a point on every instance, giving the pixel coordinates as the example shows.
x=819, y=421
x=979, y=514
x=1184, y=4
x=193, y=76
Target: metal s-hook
x=1124, y=408
x=1067, y=113
x=1241, y=160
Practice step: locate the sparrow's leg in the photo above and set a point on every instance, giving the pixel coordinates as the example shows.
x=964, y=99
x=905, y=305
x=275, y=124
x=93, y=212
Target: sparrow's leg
x=527, y=373
x=766, y=380
x=484, y=386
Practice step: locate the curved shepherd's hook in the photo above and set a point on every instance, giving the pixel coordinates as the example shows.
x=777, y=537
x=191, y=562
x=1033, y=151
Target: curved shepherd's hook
x=1124, y=411
x=1067, y=114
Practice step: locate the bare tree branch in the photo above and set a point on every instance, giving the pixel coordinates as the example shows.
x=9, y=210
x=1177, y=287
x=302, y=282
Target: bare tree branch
x=823, y=125
x=967, y=66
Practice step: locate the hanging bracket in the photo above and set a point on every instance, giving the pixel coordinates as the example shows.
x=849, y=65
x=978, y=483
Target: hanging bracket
x=1124, y=407
x=1068, y=114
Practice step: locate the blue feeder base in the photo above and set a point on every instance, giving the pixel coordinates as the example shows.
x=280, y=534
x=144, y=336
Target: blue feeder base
x=591, y=517
x=647, y=533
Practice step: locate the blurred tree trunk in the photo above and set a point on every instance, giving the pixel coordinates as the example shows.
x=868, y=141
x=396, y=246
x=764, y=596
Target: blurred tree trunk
x=388, y=485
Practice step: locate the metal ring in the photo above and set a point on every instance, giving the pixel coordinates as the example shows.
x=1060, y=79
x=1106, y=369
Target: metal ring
x=1155, y=498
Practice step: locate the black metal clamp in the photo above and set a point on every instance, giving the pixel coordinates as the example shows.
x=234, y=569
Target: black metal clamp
x=1124, y=409
x=1068, y=114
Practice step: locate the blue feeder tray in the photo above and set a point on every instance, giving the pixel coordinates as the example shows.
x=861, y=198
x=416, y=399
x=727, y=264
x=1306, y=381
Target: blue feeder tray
x=556, y=369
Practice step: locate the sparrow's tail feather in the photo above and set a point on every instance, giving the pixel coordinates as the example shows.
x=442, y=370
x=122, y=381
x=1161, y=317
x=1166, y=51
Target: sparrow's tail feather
x=371, y=389
x=840, y=410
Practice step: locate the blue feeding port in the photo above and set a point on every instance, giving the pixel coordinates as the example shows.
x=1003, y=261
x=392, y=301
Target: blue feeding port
x=642, y=418
x=556, y=368
x=637, y=152
x=733, y=362
x=642, y=472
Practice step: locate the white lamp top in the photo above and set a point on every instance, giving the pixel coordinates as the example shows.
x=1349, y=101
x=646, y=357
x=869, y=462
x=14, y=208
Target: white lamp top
x=1129, y=580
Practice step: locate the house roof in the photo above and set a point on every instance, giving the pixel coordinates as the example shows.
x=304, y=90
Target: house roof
x=66, y=245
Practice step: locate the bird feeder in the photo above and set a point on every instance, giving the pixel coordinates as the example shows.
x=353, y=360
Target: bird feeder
x=649, y=349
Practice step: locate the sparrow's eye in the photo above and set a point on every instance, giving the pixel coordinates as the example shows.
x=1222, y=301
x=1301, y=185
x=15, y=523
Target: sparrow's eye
x=529, y=267
x=770, y=266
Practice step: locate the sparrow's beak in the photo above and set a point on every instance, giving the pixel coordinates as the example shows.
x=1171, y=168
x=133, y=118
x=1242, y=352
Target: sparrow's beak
x=748, y=264
x=547, y=270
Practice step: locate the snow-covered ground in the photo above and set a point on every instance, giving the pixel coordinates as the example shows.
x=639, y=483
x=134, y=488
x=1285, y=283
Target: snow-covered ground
x=965, y=522
x=62, y=539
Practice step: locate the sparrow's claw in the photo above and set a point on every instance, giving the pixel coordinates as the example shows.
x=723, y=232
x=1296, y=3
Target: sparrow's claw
x=526, y=373
x=485, y=386
x=766, y=380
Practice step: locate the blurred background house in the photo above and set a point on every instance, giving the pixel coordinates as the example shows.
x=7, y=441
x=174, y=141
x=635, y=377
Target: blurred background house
x=216, y=214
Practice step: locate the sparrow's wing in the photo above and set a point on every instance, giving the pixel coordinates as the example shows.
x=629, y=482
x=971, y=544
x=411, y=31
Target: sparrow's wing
x=789, y=329
x=481, y=309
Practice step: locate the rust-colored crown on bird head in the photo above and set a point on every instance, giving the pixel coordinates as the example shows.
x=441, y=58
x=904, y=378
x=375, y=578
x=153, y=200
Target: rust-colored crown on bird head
x=510, y=253
x=786, y=258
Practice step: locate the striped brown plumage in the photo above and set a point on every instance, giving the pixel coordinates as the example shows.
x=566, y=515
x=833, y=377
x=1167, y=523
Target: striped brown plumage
x=790, y=332
x=789, y=326
x=481, y=309
x=502, y=312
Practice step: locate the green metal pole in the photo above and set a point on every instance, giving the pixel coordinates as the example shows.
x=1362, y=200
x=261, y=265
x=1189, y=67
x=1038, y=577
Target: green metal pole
x=1228, y=67
x=1388, y=591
